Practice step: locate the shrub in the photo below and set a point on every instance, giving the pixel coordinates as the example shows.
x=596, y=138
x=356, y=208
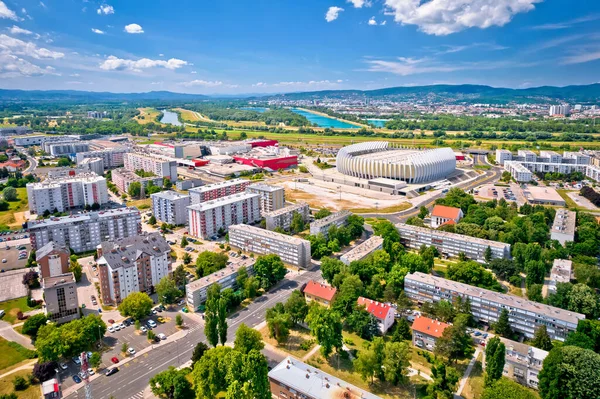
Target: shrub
x=20, y=383
x=306, y=345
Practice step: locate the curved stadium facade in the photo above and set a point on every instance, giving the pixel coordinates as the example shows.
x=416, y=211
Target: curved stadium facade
x=375, y=159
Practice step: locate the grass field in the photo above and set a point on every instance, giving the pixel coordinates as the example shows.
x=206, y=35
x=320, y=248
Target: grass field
x=6, y=386
x=12, y=353
x=569, y=201
x=140, y=204
x=146, y=115
x=474, y=387
x=298, y=335
x=390, y=209
x=13, y=307
x=8, y=217
x=188, y=115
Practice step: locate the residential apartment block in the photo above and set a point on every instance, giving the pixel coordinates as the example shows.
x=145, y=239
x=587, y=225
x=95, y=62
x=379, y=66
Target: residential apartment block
x=65, y=148
x=322, y=226
x=160, y=167
x=322, y=294
x=518, y=171
x=271, y=197
x=523, y=363
x=282, y=218
x=525, y=316
x=196, y=291
x=561, y=273
x=122, y=178
x=451, y=244
x=111, y=157
x=218, y=190
x=60, y=296
x=132, y=264
x=95, y=165
x=563, y=227
x=53, y=259
x=208, y=219
x=523, y=165
x=293, y=379
x=170, y=207
x=292, y=250
x=84, y=232
x=442, y=214
x=362, y=250
x=67, y=193
x=426, y=331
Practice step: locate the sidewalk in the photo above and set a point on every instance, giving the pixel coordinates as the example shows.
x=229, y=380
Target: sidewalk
x=465, y=377
x=28, y=366
x=8, y=333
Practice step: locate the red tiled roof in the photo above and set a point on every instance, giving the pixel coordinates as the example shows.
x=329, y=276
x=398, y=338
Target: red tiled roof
x=322, y=291
x=429, y=326
x=446, y=212
x=448, y=222
x=377, y=309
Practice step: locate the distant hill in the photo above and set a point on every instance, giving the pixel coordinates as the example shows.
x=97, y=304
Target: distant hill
x=91, y=96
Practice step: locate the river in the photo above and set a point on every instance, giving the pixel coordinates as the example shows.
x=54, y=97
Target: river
x=324, y=121
x=170, y=117
x=378, y=122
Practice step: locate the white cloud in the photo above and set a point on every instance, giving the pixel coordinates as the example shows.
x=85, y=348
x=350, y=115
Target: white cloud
x=161, y=55
x=43, y=5
x=259, y=84
x=15, y=30
x=156, y=83
x=383, y=23
x=98, y=31
x=12, y=45
x=582, y=55
x=359, y=3
x=405, y=66
x=193, y=72
x=443, y=17
x=7, y=13
x=12, y=66
x=74, y=75
x=566, y=24
x=133, y=28
x=333, y=13
x=205, y=83
x=74, y=82
x=372, y=21
x=105, y=9
x=113, y=63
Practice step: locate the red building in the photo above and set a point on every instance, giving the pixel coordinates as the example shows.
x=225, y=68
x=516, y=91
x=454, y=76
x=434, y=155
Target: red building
x=272, y=163
x=262, y=143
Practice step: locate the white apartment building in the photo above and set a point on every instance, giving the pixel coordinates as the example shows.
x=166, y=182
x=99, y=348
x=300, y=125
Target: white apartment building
x=321, y=226
x=214, y=191
x=112, y=157
x=593, y=172
x=503, y=156
x=562, y=110
x=563, y=228
x=451, y=244
x=271, y=197
x=523, y=363
x=362, y=250
x=525, y=316
x=132, y=264
x=84, y=232
x=60, y=295
x=160, y=167
x=95, y=165
x=519, y=172
x=170, y=207
x=66, y=148
x=561, y=273
x=292, y=250
x=67, y=193
x=196, y=291
x=547, y=162
x=122, y=178
x=551, y=156
x=208, y=219
x=283, y=217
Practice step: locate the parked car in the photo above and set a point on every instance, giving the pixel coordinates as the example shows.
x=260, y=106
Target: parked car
x=76, y=360
x=114, y=359
x=143, y=329
x=162, y=336
x=131, y=351
x=76, y=379
x=151, y=323
x=156, y=338
x=112, y=371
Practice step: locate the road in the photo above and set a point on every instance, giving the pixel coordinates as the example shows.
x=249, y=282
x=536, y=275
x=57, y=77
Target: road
x=132, y=379
x=32, y=162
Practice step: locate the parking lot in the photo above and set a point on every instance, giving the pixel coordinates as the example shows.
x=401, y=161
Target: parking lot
x=11, y=285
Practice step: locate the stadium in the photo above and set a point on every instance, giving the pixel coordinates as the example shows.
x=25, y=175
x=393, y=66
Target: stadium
x=375, y=159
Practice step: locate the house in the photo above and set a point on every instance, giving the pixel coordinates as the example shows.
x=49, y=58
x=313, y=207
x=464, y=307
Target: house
x=426, y=331
x=320, y=293
x=442, y=214
x=383, y=313
x=523, y=363
x=13, y=165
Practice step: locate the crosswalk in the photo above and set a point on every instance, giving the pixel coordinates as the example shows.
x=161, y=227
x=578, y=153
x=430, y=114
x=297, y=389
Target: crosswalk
x=139, y=395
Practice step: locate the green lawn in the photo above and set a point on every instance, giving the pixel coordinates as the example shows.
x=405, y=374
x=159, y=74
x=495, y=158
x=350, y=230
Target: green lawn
x=474, y=387
x=12, y=307
x=7, y=218
x=6, y=386
x=569, y=201
x=12, y=353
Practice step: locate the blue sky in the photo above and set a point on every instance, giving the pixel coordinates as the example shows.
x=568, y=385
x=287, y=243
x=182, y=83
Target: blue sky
x=266, y=46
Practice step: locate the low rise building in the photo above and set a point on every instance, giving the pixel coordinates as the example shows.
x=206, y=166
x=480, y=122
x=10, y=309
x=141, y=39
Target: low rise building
x=292, y=250
x=426, y=331
x=561, y=273
x=282, y=218
x=320, y=293
x=132, y=264
x=60, y=295
x=451, y=244
x=84, y=232
x=15, y=131
x=563, y=228
x=271, y=197
x=149, y=163
x=268, y=158
x=442, y=214
x=207, y=219
x=523, y=363
x=321, y=226
x=196, y=291
x=53, y=259
x=217, y=190
x=123, y=178
x=543, y=196
x=293, y=379
x=51, y=389
x=362, y=250
x=188, y=184
x=384, y=313
x=170, y=207
x=525, y=316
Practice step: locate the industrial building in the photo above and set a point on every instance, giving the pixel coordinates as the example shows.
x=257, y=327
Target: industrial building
x=292, y=250
x=321, y=226
x=563, y=228
x=543, y=196
x=525, y=316
x=149, y=163
x=170, y=207
x=271, y=198
x=217, y=190
x=15, y=130
x=451, y=244
x=268, y=158
x=362, y=250
x=282, y=218
x=60, y=296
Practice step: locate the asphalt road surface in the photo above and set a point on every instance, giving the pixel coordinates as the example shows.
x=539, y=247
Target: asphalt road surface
x=133, y=377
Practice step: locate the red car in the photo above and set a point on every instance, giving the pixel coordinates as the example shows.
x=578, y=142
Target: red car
x=115, y=360
x=111, y=321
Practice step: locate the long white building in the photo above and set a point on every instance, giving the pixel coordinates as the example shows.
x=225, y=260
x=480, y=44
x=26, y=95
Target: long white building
x=65, y=148
x=563, y=227
x=362, y=250
x=160, y=167
x=170, y=207
x=292, y=250
x=271, y=198
x=67, y=193
x=283, y=217
x=321, y=226
x=85, y=231
x=208, y=219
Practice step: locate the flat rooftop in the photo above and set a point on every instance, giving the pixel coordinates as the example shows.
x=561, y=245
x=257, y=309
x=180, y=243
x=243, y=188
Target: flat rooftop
x=216, y=186
x=564, y=222
x=81, y=217
x=265, y=187
x=267, y=233
x=331, y=218
x=284, y=210
x=230, y=199
x=170, y=195
x=543, y=194
x=219, y=274
x=452, y=236
x=58, y=280
x=561, y=270
x=89, y=177
x=502, y=299
x=363, y=249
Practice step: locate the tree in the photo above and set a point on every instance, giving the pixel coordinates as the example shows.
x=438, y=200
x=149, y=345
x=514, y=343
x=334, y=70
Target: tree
x=445, y=379
x=137, y=324
x=296, y=307
x=330, y=267
x=44, y=371
x=297, y=224
x=134, y=190
x=167, y=290
x=184, y=242
x=9, y=194
x=179, y=320
x=124, y=347
x=95, y=360
x=247, y=339
x=415, y=221
x=541, y=339
x=171, y=384
x=365, y=364
x=347, y=294
x=179, y=272
x=570, y=372
x=30, y=279
x=77, y=271
x=396, y=362
x=472, y=273
x=507, y=389
x=326, y=325
x=152, y=220
x=137, y=305
x=33, y=324
x=362, y=323
x=487, y=254
x=222, y=318
x=455, y=342
x=150, y=335
x=402, y=331
x=269, y=269
x=187, y=259
x=279, y=323
x=423, y=211
x=20, y=383
x=199, y=351
x=534, y=293
x=211, y=321
x=495, y=353
x=209, y=262
x=322, y=213
x=584, y=300
x=502, y=327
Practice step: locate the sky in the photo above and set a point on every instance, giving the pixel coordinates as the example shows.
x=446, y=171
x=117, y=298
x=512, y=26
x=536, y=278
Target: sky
x=274, y=46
